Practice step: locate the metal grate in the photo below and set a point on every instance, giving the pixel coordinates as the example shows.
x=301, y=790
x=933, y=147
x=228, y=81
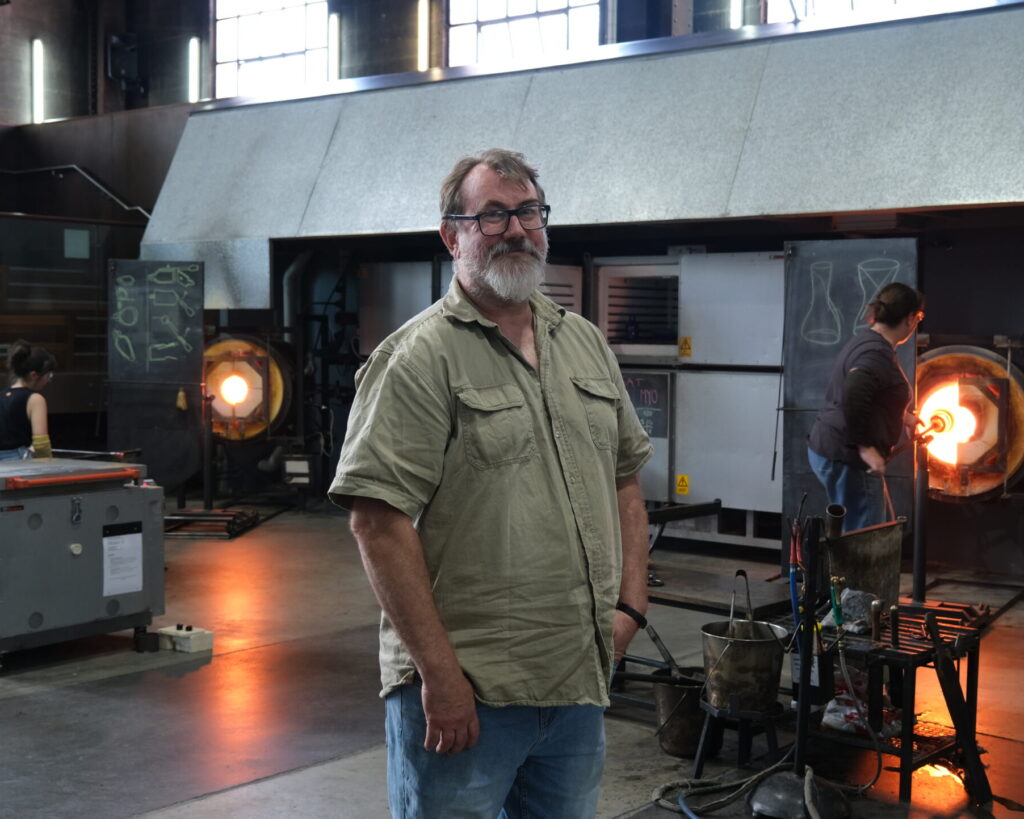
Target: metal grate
x=642, y=310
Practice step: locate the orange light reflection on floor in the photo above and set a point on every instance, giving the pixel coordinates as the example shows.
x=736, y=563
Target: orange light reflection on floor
x=956, y=423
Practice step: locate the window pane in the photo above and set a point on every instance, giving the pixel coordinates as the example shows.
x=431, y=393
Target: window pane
x=588, y=3
x=550, y=5
x=316, y=25
x=290, y=75
x=268, y=28
x=316, y=65
x=262, y=5
x=290, y=30
x=462, y=11
x=227, y=80
x=553, y=34
x=526, y=40
x=250, y=78
x=521, y=7
x=584, y=28
x=462, y=45
x=491, y=9
x=495, y=45
x=249, y=36
x=291, y=2
x=228, y=8
x=227, y=40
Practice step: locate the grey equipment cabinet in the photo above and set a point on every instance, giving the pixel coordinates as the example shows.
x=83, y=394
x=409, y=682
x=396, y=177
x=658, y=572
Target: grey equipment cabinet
x=81, y=550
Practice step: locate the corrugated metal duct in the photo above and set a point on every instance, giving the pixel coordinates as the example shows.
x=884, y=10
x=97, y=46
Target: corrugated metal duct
x=901, y=116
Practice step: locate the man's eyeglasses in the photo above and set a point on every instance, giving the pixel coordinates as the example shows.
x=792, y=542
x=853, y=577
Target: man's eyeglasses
x=495, y=222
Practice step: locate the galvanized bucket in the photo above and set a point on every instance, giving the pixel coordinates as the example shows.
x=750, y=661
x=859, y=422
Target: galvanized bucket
x=743, y=661
x=677, y=705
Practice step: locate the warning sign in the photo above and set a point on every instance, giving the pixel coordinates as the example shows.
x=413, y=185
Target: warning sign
x=682, y=484
x=685, y=346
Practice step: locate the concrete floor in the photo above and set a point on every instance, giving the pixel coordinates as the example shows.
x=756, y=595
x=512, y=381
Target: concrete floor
x=283, y=718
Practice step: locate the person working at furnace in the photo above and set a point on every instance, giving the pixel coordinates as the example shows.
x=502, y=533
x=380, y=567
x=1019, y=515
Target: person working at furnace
x=23, y=422
x=865, y=408
x=491, y=468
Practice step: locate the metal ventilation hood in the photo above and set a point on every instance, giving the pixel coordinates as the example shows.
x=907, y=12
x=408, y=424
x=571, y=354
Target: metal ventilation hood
x=915, y=115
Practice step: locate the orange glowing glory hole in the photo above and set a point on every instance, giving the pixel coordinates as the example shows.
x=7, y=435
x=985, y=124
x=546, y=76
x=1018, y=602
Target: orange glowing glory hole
x=233, y=389
x=953, y=424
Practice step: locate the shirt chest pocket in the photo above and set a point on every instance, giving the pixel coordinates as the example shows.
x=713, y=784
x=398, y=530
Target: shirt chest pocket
x=600, y=400
x=496, y=425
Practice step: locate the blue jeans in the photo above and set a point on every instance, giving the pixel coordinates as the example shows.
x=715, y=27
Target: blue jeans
x=13, y=454
x=529, y=762
x=853, y=488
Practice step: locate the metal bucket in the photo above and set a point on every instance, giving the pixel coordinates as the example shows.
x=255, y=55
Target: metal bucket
x=677, y=704
x=743, y=661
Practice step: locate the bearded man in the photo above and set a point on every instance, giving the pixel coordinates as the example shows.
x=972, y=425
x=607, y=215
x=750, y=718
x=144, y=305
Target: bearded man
x=490, y=466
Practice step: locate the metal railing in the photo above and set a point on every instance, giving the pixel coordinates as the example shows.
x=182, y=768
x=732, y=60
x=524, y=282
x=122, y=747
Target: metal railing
x=98, y=184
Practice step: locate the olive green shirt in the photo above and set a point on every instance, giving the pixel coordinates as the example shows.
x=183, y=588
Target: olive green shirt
x=509, y=475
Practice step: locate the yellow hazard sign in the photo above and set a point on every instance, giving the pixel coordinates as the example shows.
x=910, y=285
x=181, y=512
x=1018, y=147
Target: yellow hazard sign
x=682, y=484
x=685, y=346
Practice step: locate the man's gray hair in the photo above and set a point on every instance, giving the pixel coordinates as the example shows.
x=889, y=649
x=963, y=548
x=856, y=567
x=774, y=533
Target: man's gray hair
x=507, y=164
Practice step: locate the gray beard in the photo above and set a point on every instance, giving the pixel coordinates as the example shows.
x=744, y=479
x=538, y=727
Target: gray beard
x=510, y=279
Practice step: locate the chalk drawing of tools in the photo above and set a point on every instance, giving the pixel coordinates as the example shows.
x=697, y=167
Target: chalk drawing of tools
x=822, y=323
x=170, y=298
x=872, y=276
x=170, y=274
x=174, y=332
x=154, y=349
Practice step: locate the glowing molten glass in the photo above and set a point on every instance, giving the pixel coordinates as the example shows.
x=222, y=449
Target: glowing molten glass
x=951, y=423
x=233, y=389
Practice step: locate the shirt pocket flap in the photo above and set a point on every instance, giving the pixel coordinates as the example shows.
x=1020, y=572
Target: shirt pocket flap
x=490, y=399
x=600, y=387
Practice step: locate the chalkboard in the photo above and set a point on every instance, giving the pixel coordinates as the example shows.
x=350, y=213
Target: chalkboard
x=156, y=321
x=155, y=365
x=828, y=286
x=650, y=393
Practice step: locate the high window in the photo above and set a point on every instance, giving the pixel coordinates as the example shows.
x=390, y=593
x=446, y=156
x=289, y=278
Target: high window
x=842, y=12
x=270, y=47
x=522, y=31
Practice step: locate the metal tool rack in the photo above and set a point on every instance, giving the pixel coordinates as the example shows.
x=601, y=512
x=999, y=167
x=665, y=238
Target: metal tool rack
x=941, y=644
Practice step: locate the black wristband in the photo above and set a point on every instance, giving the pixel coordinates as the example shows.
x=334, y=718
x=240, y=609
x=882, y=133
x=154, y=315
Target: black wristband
x=632, y=612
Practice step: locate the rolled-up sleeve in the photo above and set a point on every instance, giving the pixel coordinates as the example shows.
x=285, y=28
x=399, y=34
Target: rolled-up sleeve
x=635, y=447
x=397, y=433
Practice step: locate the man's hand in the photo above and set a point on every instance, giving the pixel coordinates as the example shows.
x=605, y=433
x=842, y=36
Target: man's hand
x=393, y=558
x=624, y=628
x=873, y=458
x=912, y=422
x=452, y=723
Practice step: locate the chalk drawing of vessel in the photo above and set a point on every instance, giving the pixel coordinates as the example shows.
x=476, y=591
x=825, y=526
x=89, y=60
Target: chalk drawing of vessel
x=872, y=276
x=822, y=324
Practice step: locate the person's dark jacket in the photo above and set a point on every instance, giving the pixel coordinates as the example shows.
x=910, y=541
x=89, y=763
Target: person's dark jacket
x=865, y=401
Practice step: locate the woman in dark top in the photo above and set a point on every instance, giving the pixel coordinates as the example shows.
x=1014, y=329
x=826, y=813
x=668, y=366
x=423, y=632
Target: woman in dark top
x=865, y=408
x=23, y=424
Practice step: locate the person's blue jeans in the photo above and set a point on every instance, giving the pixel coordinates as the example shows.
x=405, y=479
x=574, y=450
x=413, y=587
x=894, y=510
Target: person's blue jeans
x=543, y=763
x=853, y=488
x=13, y=454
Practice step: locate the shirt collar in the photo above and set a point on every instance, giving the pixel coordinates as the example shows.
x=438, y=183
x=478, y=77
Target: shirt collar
x=456, y=304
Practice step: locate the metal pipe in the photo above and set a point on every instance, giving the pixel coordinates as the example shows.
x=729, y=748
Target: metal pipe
x=835, y=514
x=207, y=421
x=289, y=317
x=803, y=709
x=920, y=503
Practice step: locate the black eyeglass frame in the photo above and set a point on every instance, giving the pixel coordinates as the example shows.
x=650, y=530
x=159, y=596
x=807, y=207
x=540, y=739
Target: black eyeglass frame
x=545, y=212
